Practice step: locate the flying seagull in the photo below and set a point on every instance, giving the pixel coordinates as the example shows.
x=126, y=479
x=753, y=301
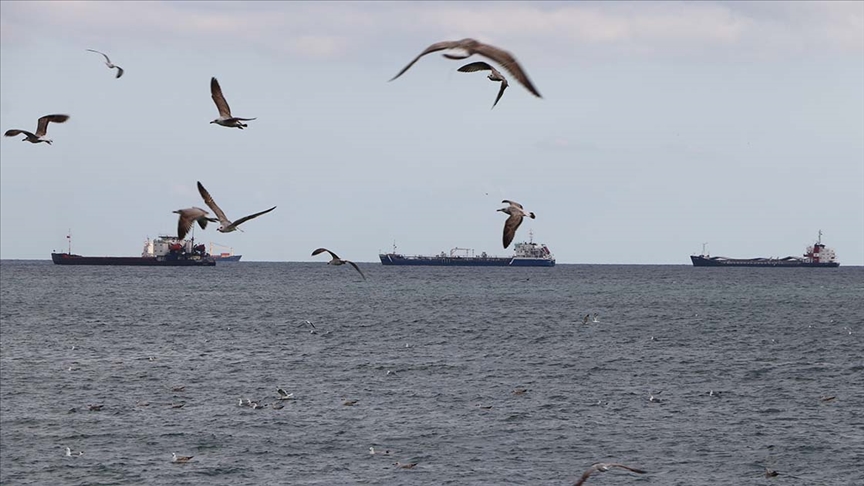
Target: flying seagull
x=225, y=119
x=338, y=261
x=225, y=224
x=180, y=459
x=495, y=75
x=109, y=64
x=516, y=214
x=283, y=395
x=188, y=217
x=471, y=47
x=41, y=129
x=603, y=467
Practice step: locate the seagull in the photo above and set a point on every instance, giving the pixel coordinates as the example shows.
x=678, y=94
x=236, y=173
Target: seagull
x=595, y=318
x=109, y=64
x=188, y=217
x=73, y=454
x=585, y=319
x=770, y=473
x=350, y=403
x=95, y=408
x=180, y=459
x=256, y=405
x=283, y=395
x=603, y=467
x=225, y=119
x=225, y=224
x=471, y=47
x=277, y=406
x=495, y=75
x=338, y=261
x=41, y=129
x=177, y=405
x=410, y=465
x=827, y=398
x=520, y=391
x=178, y=388
x=516, y=214
x=372, y=451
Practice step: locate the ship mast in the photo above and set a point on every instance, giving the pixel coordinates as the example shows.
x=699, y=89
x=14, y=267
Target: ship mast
x=819, y=240
x=69, y=240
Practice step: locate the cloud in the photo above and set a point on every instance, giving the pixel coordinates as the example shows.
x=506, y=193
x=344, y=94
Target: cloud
x=341, y=29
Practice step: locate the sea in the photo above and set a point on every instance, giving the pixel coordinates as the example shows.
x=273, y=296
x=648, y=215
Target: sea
x=479, y=376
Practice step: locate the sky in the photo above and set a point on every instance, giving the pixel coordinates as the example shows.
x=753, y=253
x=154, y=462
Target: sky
x=662, y=126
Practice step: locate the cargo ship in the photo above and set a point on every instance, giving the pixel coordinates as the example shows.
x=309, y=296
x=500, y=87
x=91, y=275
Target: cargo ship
x=224, y=256
x=165, y=251
x=525, y=254
x=817, y=255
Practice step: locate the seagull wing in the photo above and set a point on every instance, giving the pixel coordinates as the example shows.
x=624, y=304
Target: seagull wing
x=587, y=474
x=42, y=128
x=119, y=72
x=512, y=203
x=508, y=62
x=475, y=66
x=356, y=268
x=504, y=85
x=15, y=131
x=103, y=55
x=184, y=223
x=281, y=392
x=322, y=250
x=631, y=469
x=510, y=227
x=251, y=216
x=438, y=46
x=208, y=200
x=221, y=104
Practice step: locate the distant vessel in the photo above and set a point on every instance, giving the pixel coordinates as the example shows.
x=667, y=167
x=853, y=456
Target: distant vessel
x=817, y=255
x=526, y=254
x=225, y=256
x=165, y=251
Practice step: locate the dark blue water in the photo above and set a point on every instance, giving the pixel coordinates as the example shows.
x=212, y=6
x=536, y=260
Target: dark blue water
x=768, y=342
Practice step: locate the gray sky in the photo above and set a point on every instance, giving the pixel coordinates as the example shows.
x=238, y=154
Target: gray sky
x=662, y=126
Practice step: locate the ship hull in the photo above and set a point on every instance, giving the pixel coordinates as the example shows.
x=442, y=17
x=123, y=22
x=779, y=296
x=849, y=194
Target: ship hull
x=166, y=261
x=232, y=258
x=396, y=259
x=701, y=261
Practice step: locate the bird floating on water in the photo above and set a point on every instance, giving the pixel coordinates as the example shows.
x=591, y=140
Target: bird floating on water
x=385, y=452
x=109, y=63
x=225, y=119
x=409, y=465
x=335, y=260
x=41, y=129
x=512, y=223
x=603, y=467
x=225, y=224
x=70, y=453
x=495, y=76
x=180, y=459
x=350, y=403
x=471, y=47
